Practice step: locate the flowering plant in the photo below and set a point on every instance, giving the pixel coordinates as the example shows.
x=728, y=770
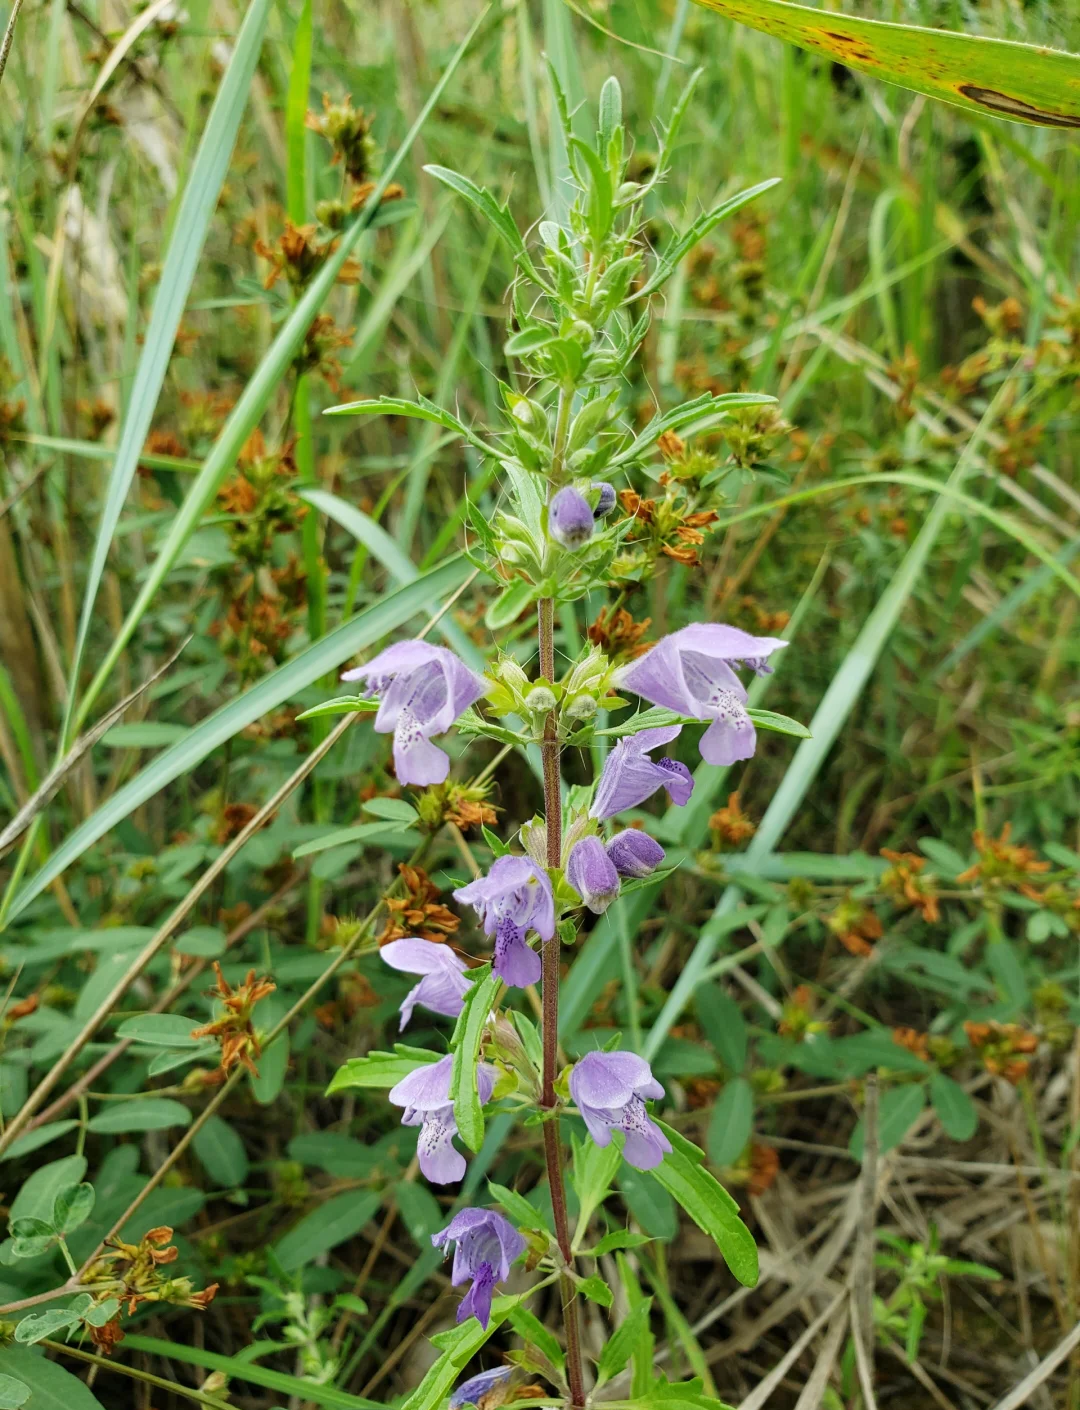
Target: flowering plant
x=581, y=312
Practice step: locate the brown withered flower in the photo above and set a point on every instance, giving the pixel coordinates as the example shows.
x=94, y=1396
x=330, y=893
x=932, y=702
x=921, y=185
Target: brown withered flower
x=1004, y=1048
x=620, y=636
x=419, y=911
x=136, y=1268
x=797, y=1016
x=855, y=926
x=666, y=525
x=298, y=254
x=914, y=1041
x=235, y=1030
x=730, y=824
x=905, y=885
x=1004, y=865
x=348, y=130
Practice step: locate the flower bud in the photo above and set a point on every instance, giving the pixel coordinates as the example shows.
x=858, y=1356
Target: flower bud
x=606, y=502
x=591, y=872
x=570, y=518
x=634, y=853
x=581, y=707
x=540, y=700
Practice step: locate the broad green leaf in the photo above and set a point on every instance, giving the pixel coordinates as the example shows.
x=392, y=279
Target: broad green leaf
x=379, y=1069
x=160, y=1030
x=141, y=1114
x=240, y=1369
x=222, y=1153
x=196, y=209
x=51, y=1386
x=731, y=1122
x=898, y=1110
x=328, y=1225
x=33, y=1140
x=708, y=1204
x=273, y=1064
x=468, y=1033
x=37, y=1196
x=46, y=1324
x=509, y=605
x=394, y=809
x=13, y=1393
x=954, y=1107
x=996, y=76
x=324, y=656
x=72, y=1207
x=334, y=1152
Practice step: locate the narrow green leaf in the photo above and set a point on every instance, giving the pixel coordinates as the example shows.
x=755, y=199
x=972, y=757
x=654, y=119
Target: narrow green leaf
x=988, y=76
x=731, y=1122
x=620, y=1345
x=378, y=1069
x=708, y=1204
x=34, y=1140
x=779, y=724
x=237, y=1368
x=468, y=1033
x=330, y=1224
x=458, y=1346
x=295, y=118
x=517, y=1208
x=222, y=1153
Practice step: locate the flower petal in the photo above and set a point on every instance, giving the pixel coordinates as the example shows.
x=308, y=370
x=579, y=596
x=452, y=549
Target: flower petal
x=730, y=738
x=426, y=1088
x=515, y=962
x=412, y=955
x=416, y=760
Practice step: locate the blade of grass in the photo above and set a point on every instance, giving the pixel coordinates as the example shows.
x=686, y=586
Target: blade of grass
x=236, y=1368
x=178, y=271
x=304, y=670
x=1021, y=82
x=259, y=390
x=836, y=704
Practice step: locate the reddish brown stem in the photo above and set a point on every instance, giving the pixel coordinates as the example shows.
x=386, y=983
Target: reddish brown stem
x=549, y=750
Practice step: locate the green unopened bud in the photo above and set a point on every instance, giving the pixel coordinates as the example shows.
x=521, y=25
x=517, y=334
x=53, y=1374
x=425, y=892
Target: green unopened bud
x=581, y=707
x=540, y=700
x=627, y=191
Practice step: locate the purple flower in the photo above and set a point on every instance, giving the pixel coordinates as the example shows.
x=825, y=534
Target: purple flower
x=690, y=671
x=444, y=981
x=514, y=897
x=610, y=1091
x=425, y=1095
x=592, y=874
x=487, y=1244
x=630, y=776
x=606, y=503
x=475, y=1390
x=570, y=519
x=422, y=689
x=634, y=853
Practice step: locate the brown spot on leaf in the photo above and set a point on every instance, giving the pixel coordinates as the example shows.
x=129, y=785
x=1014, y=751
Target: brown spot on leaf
x=1016, y=107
